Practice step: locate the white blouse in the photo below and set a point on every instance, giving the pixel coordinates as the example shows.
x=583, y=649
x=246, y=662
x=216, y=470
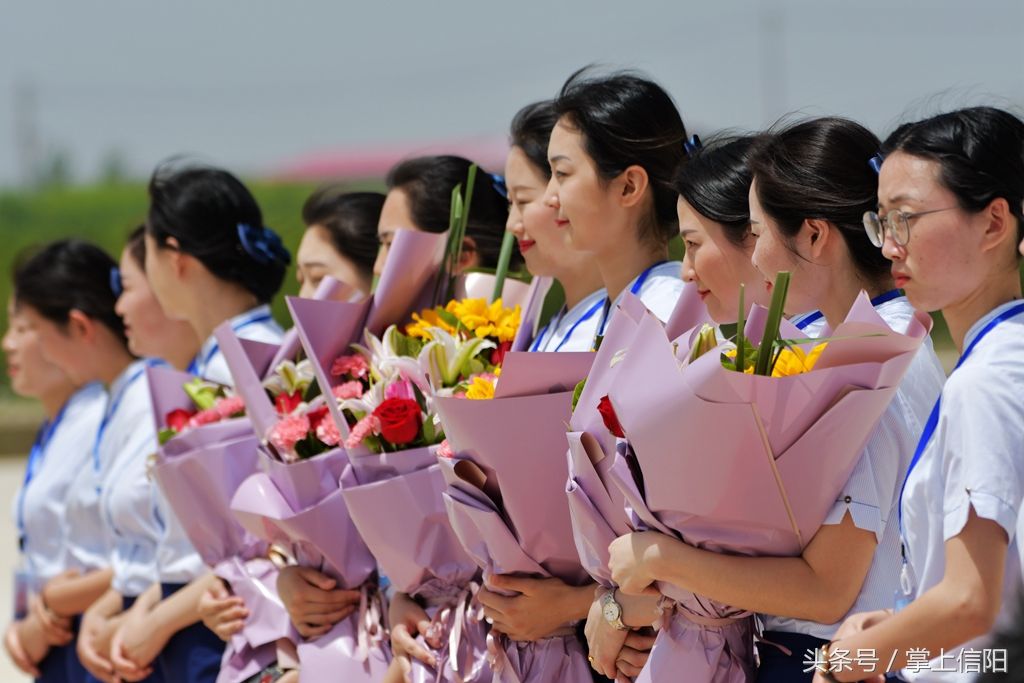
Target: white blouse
x=573, y=330
x=871, y=494
x=39, y=506
x=256, y=324
x=974, y=460
x=658, y=288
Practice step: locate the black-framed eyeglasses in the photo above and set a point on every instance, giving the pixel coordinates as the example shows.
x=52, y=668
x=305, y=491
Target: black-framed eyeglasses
x=896, y=222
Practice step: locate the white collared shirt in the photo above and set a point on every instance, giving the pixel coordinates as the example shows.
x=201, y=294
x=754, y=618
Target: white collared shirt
x=871, y=494
x=660, y=291
x=40, y=505
x=256, y=324
x=574, y=330
x=974, y=460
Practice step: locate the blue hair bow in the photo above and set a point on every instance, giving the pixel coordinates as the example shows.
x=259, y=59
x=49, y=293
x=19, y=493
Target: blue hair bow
x=116, y=286
x=498, y=182
x=692, y=146
x=262, y=245
x=875, y=162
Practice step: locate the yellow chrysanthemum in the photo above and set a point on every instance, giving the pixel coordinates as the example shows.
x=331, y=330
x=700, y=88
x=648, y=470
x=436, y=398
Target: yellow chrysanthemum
x=423, y=321
x=480, y=389
x=795, y=361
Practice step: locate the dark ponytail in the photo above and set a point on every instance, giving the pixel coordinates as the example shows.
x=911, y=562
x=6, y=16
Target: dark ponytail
x=715, y=181
x=819, y=169
x=627, y=120
x=69, y=275
x=215, y=218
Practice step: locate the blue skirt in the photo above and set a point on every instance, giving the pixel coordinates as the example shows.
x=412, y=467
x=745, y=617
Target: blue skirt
x=192, y=655
x=778, y=667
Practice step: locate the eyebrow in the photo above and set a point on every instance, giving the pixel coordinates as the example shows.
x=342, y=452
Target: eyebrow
x=313, y=264
x=560, y=157
x=688, y=231
x=901, y=198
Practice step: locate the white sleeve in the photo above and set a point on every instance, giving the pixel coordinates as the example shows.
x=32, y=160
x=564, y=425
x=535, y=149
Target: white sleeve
x=981, y=437
x=869, y=494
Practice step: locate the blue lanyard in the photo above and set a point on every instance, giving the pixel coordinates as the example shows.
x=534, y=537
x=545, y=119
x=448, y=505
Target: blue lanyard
x=197, y=367
x=805, y=322
x=933, y=419
x=35, y=459
x=113, y=405
x=568, y=335
x=634, y=290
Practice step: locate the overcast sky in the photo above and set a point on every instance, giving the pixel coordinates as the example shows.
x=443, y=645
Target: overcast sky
x=253, y=84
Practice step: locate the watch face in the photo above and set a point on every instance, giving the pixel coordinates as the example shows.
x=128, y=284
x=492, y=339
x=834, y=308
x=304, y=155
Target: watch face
x=611, y=611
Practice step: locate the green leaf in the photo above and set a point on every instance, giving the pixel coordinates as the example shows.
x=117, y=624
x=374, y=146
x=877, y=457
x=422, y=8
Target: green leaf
x=449, y=317
x=504, y=258
x=203, y=393
x=766, y=350
x=577, y=391
x=165, y=435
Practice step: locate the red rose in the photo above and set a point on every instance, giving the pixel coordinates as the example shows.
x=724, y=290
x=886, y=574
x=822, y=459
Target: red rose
x=399, y=420
x=611, y=420
x=178, y=419
x=287, y=403
x=316, y=417
x=498, y=354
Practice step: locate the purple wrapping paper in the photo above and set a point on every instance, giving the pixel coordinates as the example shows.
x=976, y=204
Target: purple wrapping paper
x=407, y=281
x=199, y=470
x=255, y=647
x=736, y=463
x=530, y=479
x=299, y=507
x=395, y=502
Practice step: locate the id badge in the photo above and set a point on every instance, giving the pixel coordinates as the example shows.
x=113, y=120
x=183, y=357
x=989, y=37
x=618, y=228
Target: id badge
x=22, y=588
x=904, y=594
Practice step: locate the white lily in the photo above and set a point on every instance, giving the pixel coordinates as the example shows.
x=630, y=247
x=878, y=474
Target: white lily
x=290, y=377
x=445, y=358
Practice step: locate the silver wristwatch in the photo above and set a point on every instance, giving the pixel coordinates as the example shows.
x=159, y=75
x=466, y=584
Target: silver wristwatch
x=612, y=611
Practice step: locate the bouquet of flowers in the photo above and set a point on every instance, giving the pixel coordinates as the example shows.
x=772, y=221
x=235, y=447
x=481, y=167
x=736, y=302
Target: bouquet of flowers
x=786, y=418
x=206, y=449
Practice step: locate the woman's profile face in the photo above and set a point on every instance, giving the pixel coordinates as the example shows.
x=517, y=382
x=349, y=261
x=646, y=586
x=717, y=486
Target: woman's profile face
x=317, y=258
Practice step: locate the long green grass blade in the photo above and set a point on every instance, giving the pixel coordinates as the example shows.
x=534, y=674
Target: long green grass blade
x=504, y=258
x=766, y=350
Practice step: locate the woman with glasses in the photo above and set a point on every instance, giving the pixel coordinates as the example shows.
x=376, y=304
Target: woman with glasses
x=810, y=184
x=949, y=219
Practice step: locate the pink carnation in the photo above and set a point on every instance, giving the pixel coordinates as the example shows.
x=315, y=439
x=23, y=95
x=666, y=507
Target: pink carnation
x=362, y=429
x=327, y=431
x=444, y=450
x=232, y=405
x=348, y=390
x=354, y=366
x=289, y=431
x=204, y=417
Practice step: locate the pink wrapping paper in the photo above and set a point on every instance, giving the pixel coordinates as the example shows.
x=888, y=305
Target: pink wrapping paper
x=596, y=506
x=308, y=515
x=199, y=470
x=395, y=502
x=754, y=476
x=532, y=309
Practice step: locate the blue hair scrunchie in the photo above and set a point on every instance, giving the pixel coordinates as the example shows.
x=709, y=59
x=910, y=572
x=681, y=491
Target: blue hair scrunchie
x=692, y=146
x=116, y=286
x=875, y=162
x=263, y=245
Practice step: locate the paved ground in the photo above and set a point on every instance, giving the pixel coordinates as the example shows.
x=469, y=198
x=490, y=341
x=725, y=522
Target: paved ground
x=12, y=469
